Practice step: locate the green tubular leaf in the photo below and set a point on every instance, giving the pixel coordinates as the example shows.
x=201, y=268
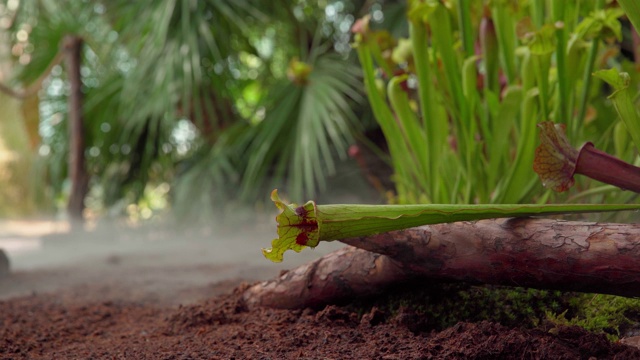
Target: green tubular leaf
x=306, y=225
x=542, y=65
x=520, y=174
x=470, y=77
x=490, y=50
x=410, y=126
x=537, y=10
x=420, y=11
x=632, y=10
x=581, y=32
x=542, y=44
x=464, y=19
x=451, y=81
x=503, y=123
x=543, y=41
x=445, y=46
x=562, y=112
x=601, y=23
x=435, y=125
x=620, y=139
x=622, y=99
x=398, y=148
x=505, y=30
x=470, y=92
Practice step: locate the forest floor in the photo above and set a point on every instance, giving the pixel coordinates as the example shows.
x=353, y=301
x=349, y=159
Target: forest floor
x=116, y=295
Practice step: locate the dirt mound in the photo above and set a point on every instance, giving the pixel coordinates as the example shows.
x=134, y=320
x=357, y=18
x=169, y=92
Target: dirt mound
x=59, y=326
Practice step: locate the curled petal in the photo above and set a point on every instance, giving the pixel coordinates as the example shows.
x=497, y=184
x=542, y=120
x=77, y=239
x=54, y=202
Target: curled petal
x=555, y=159
x=298, y=227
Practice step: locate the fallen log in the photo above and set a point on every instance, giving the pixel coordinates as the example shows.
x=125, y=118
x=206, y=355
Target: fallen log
x=344, y=273
x=539, y=253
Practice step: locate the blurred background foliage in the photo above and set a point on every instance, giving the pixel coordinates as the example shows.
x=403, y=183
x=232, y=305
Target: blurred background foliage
x=192, y=104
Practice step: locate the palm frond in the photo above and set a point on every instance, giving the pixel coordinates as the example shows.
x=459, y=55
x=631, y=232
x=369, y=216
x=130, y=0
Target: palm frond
x=151, y=66
x=305, y=128
x=173, y=40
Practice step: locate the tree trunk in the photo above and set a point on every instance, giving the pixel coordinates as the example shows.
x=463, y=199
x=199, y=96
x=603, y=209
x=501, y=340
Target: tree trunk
x=72, y=47
x=539, y=253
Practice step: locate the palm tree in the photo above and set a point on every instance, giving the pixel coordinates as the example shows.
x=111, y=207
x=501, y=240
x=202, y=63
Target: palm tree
x=194, y=92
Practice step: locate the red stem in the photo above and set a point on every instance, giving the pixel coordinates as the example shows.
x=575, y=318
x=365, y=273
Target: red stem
x=603, y=167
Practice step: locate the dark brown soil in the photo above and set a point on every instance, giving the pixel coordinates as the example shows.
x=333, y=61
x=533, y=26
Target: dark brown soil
x=67, y=326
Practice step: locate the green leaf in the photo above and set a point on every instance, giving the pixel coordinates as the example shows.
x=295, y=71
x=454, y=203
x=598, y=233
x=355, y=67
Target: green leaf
x=398, y=148
x=543, y=41
x=623, y=100
x=632, y=10
x=508, y=111
x=305, y=225
x=505, y=31
x=601, y=23
x=434, y=119
x=619, y=81
x=412, y=133
x=420, y=11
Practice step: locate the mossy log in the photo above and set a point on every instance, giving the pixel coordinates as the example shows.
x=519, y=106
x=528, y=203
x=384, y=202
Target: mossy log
x=539, y=253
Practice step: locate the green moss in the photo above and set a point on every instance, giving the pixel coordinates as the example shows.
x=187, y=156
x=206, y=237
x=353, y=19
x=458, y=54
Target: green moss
x=445, y=304
x=442, y=305
x=608, y=314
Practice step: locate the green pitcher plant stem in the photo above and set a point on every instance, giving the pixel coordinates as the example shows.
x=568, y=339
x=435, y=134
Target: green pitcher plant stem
x=623, y=99
x=301, y=226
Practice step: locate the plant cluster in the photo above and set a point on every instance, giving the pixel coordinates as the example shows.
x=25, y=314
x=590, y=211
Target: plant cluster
x=459, y=98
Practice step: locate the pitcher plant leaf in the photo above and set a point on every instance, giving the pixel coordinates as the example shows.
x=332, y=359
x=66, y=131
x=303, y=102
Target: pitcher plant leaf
x=308, y=224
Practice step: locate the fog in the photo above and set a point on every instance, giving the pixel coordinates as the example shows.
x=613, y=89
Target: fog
x=113, y=263
x=164, y=261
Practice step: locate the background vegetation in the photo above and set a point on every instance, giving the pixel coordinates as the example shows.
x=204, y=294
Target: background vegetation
x=202, y=101
x=194, y=103
x=460, y=95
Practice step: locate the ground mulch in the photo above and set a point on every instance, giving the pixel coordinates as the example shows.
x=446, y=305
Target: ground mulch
x=64, y=326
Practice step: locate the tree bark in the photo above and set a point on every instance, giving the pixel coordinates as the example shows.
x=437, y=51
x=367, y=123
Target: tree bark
x=72, y=48
x=345, y=273
x=539, y=253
